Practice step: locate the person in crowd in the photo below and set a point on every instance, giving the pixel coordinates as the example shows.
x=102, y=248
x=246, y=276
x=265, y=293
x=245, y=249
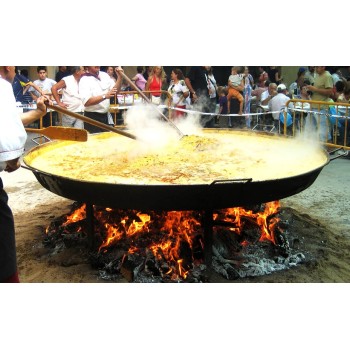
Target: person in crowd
x=235, y=88
x=302, y=114
x=45, y=84
x=222, y=92
x=179, y=93
x=247, y=93
x=70, y=100
x=155, y=83
x=147, y=72
x=258, y=91
x=139, y=79
x=336, y=73
x=274, y=75
x=295, y=87
x=339, y=87
x=310, y=74
x=96, y=88
x=267, y=95
x=111, y=73
x=21, y=85
x=62, y=72
x=322, y=90
x=277, y=103
x=197, y=83
x=12, y=140
x=263, y=77
x=213, y=89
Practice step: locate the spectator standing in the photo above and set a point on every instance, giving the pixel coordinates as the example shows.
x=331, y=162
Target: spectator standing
x=197, y=82
x=179, y=93
x=213, y=89
x=274, y=75
x=247, y=93
x=263, y=77
x=45, y=84
x=20, y=86
x=155, y=83
x=63, y=71
x=222, y=91
x=110, y=72
x=277, y=104
x=295, y=87
x=71, y=100
x=235, y=87
x=139, y=79
x=310, y=74
x=322, y=90
x=96, y=88
x=12, y=141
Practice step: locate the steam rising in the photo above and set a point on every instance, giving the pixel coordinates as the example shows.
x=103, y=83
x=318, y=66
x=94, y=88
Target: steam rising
x=154, y=131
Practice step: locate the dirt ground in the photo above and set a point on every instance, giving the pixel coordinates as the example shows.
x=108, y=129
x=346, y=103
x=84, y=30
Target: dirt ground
x=322, y=208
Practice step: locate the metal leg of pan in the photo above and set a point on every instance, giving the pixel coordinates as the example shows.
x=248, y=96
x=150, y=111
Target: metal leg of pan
x=90, y=225
x=208, y=237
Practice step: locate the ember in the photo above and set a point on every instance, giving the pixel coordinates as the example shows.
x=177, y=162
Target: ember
x=169, y=246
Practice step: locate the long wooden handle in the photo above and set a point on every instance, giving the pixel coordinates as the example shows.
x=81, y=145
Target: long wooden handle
x=90, y=121
x=62, y=133
x=148, y=100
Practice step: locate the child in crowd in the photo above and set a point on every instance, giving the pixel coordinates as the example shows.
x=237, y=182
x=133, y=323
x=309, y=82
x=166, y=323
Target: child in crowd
x=235, y=86
x=222, y=92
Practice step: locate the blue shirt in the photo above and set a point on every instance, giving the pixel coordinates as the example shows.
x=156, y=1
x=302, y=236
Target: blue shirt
x=18, y=89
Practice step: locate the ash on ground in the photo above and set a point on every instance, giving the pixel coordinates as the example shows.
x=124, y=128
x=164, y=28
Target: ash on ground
x=235, y=257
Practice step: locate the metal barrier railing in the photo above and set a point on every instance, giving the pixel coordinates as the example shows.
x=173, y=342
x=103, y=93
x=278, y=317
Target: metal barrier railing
x=116, y=107
x=330, y=120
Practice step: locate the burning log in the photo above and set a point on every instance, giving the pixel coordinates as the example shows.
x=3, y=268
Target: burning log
x=168, y=246
x=131, y=266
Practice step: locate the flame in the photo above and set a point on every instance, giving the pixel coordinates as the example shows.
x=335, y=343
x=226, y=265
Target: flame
x=76, y=216
x=173, y=236
x=264, y=220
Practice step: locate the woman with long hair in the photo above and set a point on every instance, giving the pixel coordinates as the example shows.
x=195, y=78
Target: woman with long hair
x=179, y=93
x=155, y=83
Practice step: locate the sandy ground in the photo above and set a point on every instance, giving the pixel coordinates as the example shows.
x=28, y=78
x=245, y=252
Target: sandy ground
x=324, y=206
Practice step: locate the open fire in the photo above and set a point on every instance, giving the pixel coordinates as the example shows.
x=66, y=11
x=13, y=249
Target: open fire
x=169, y=246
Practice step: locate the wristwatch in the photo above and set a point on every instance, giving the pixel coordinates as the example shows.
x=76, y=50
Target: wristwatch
x=104, y=97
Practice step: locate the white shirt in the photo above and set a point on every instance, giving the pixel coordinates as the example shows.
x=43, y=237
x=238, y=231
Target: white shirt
x=235, y=79
x=90, y=86
x=265, y=94
x=212, y=86
x=277, y=103
x=44, y=85
x=177, y=91
x=70, y=94
x=12, y=133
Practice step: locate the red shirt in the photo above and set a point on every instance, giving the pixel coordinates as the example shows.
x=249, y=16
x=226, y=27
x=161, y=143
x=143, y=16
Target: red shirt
x=155, y=85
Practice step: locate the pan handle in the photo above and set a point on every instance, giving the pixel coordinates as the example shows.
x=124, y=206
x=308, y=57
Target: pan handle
x=343, y=154
x=218, y=182
x=25, y=167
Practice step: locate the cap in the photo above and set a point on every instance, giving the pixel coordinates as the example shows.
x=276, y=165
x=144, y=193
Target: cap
x=301, y=70
x=281, y=87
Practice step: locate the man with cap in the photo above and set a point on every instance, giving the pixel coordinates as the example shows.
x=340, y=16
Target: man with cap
x=277, y=103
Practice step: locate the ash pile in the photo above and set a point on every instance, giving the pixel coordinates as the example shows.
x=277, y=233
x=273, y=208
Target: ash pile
x=153, y=247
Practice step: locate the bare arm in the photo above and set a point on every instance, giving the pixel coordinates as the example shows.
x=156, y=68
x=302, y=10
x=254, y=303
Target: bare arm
x=324, y=92
x=58, y=86
x=189, y=85
x=94, y=100
x=30, y=116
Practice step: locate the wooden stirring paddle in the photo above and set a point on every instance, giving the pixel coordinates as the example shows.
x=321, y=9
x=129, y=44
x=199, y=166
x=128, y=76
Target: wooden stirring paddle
x=62, y=133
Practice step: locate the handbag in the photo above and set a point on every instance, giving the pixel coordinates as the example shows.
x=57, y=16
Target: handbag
x=289, y=118
x=155, y=100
